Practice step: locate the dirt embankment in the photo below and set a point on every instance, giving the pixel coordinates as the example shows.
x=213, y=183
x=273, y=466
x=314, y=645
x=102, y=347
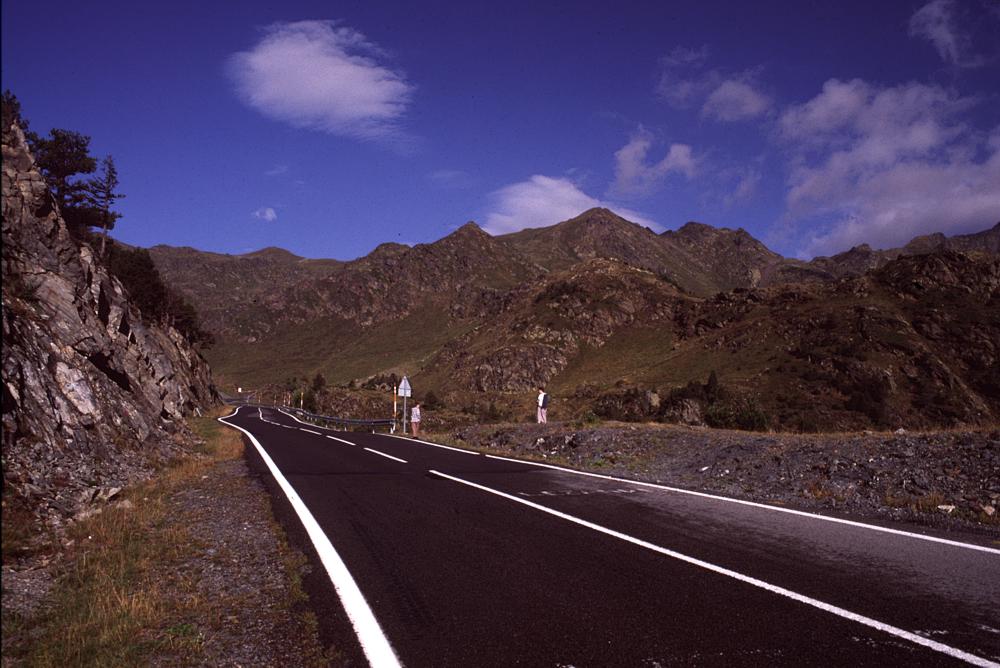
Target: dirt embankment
x=943, y=478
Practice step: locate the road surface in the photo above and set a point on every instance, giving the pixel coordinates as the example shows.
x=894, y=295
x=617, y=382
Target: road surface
x=444, y=557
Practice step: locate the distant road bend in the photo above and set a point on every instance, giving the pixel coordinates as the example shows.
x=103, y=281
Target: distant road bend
x=446, y=557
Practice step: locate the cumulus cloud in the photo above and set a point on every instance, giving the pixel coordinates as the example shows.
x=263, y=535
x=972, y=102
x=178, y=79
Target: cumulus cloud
x=887, y=164
x=734, y=100
x=544, y=200
x=635, y=176
x=322, y=76
x=685, y=81
x=266, y=213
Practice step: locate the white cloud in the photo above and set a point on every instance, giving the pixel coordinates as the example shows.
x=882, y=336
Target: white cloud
x=914, y=198
x=723, y=96
x=734, y=100
x=266, y=213
x=746, y=187
x=887, y=164
x=544, y=200
x=838, y=105
x=277, y=170
x=634, y=176
x=321, y=76
x=936, y=22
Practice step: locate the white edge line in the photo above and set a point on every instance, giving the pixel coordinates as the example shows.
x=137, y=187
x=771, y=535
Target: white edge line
x=373, y=641
x=388, y=456
x=436, y=445
x=334, y=438
x=310, y=431
x=755, y=504
x=827, y=607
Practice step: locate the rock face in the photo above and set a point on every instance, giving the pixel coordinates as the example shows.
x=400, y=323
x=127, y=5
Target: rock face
x=92, y=396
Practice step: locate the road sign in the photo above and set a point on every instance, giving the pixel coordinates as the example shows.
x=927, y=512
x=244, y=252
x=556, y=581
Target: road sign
x=404, y=388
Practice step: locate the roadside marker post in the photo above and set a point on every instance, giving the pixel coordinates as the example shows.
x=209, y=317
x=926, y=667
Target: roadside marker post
x=404, y=391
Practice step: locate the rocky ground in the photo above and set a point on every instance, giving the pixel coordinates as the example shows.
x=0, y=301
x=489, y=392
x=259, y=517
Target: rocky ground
x=235, y=591
x=947, y=479
x=259, y=615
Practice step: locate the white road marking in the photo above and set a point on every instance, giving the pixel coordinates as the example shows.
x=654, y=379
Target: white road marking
x=334, y=438
x=436, y=445
x=388, y=456
x=373, y=641
x=801, y=513
x=827, y=607
x=310, y=431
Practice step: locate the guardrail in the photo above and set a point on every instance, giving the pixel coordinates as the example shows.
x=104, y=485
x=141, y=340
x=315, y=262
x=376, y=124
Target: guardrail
x=326, y=419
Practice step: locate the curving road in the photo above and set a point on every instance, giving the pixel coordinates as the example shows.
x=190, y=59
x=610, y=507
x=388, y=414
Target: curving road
x=454, y=558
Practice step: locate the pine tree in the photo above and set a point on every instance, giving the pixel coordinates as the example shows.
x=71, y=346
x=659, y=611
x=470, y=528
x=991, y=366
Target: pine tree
x=62, y=155
x=102, y=196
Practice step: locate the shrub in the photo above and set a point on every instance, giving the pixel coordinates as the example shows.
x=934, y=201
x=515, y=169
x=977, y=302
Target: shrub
x=738, y=413
x=432, y=401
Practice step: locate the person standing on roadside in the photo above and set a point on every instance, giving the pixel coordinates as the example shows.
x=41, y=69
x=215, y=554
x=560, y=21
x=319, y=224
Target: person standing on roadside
x=543, y=406
x=415, y=418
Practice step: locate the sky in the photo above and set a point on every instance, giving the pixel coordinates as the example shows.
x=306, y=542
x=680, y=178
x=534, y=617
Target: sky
x=328, y=128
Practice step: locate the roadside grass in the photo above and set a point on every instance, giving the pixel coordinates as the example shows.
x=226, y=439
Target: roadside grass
x=122, y=596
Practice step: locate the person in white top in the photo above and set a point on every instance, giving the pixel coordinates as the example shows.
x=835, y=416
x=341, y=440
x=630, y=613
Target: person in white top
x=415, y=418
x=543, y=406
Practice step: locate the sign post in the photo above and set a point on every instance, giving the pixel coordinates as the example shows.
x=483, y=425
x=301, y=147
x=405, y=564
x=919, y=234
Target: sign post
x=394, y=389
x=404, y=391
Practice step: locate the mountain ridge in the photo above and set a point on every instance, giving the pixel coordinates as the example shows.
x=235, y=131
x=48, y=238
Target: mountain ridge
x=593, y=299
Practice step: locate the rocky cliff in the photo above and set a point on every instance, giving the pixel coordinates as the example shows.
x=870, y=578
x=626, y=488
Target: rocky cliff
x=93, y=397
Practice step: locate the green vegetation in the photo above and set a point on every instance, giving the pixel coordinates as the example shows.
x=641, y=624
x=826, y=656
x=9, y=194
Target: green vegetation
x=158, y=303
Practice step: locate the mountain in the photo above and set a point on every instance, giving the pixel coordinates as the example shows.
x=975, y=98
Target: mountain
x=864, y=258
x=233, y=292
x=93, y=394
x=597, y=301
x=699, y=258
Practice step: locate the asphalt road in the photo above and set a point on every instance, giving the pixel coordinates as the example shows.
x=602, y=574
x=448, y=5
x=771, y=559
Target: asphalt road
x=467, y=560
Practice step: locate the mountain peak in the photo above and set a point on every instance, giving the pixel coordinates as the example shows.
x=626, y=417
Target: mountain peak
x=273, y=253
x=471, y=227
x=598, y=215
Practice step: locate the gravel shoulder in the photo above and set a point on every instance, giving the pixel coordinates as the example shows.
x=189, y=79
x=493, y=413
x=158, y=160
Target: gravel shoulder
x=942, y=479
x=213, y=580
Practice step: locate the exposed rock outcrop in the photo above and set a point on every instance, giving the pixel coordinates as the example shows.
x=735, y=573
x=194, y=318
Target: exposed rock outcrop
x=92, y=396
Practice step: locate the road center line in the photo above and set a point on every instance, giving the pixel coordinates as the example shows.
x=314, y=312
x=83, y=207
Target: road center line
x=827, y=607
x=310, y=431
x=387, y=456
x=334, y=438
x=801, y=513
x=373, y=641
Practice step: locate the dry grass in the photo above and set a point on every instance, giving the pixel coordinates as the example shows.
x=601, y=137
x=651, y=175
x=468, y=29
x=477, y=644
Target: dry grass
x=109, y=606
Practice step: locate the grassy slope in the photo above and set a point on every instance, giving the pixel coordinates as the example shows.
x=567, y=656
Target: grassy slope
x=340, y=350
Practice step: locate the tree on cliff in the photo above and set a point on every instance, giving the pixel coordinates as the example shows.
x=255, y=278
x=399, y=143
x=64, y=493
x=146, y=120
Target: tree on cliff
x=11, y=109
x=101, y=197
x=62, y=157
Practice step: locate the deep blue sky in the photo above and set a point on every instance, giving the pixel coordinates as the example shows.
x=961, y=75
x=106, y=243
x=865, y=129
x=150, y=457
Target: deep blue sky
x=343, y=125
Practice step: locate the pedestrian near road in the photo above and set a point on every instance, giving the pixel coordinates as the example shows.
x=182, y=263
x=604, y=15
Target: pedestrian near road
x=415, y=418
x=543, y=406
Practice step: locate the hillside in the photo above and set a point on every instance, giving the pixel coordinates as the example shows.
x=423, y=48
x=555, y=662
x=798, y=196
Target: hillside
x=597, y=303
